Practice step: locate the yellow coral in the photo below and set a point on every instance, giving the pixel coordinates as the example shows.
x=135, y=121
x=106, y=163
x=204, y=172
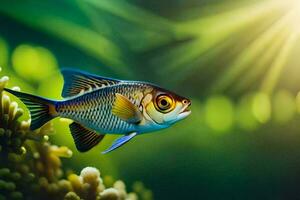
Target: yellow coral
x=71, y=196
x=110, y=194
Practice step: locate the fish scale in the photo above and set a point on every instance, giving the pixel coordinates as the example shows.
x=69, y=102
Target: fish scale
x=93, y=109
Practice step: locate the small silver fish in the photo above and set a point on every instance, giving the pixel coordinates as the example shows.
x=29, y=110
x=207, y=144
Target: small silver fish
x=100, y=105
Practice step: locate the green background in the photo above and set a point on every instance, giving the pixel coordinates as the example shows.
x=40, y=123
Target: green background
x=237, y=60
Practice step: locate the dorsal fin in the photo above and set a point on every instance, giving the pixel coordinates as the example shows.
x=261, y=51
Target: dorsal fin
x=84, y=139
x=76, y=82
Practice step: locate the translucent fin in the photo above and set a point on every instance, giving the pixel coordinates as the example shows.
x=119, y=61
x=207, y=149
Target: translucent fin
x=41, y=110
x=126, y=110
x=119, y=142
x=84, y=139
x=76, y=82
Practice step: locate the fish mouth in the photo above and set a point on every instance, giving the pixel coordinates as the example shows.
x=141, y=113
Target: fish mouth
x=185, y=111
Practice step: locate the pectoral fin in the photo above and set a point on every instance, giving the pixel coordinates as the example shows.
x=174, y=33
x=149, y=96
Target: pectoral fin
x=119, y=142
x=84, y=139
x=126, y=110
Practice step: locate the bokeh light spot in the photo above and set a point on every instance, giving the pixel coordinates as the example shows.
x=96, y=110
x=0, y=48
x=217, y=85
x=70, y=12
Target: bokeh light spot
x=261, y=107
x=52, y=86
x=219, y=113
x=33, y=63
x=244, y=117
x=284, y=106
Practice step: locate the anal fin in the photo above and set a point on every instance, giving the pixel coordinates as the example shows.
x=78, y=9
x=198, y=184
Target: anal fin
x=84, y=138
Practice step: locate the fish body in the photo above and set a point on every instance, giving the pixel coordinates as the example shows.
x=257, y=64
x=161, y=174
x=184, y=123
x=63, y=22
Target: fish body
x=100, y=105
x=94, y=109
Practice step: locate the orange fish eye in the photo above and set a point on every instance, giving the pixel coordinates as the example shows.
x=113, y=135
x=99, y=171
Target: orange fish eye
x=164, y=103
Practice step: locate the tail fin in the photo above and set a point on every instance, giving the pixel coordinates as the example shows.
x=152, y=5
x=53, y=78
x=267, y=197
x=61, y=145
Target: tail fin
x=41, y=110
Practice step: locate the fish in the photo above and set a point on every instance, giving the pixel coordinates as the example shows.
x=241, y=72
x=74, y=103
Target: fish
x=100, y=105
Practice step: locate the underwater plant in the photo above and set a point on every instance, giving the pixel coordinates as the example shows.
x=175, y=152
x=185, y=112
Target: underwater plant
x=31, y=167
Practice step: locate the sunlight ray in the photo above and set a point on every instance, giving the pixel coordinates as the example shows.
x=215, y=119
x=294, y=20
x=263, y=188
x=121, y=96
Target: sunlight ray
x=257, y=48
x=213, y=30
x=230, y=21
x=275, y=70
x=261, y=65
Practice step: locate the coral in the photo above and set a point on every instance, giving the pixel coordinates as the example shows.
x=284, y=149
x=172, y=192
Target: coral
x=31, y=167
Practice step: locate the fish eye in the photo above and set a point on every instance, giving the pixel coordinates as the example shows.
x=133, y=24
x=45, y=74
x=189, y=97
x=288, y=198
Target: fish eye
x=164, y=103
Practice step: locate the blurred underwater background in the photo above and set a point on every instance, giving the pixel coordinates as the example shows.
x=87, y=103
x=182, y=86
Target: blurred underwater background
x=237, y=60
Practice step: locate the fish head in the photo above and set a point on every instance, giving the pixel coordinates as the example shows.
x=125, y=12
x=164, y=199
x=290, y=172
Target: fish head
x=165, y=107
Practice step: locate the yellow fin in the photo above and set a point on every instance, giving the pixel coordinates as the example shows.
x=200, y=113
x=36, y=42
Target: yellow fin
x=126, y=110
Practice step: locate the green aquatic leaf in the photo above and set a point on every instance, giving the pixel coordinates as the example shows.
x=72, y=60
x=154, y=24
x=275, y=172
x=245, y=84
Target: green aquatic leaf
x=71, y=29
